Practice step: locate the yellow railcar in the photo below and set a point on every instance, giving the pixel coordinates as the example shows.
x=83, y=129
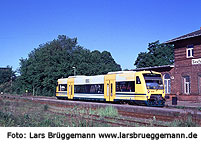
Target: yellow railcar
x=144, y=87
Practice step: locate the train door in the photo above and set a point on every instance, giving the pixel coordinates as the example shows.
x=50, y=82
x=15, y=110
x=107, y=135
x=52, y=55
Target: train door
x=109, y=87
x=70, y=88
x=140, y=87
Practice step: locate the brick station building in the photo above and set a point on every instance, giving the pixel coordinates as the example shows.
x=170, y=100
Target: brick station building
x=183, y=79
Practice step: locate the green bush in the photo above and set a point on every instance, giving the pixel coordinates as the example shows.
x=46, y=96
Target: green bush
x=46, y=107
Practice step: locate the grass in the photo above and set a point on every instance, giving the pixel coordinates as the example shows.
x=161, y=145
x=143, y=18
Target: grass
x=108, y=111
x=187, y=122
x=29, y=114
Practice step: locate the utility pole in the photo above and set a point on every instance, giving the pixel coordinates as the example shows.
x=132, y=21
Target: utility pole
x=33, y=90
x=11, y=82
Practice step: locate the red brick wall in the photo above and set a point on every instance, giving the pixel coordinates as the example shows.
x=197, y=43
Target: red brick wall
x=180, y=49
x=183, y=67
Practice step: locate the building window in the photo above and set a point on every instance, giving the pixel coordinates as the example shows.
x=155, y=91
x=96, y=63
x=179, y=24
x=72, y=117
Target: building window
x=199, y=84
x=167, y=83
x=189, y=51
x=186, y=80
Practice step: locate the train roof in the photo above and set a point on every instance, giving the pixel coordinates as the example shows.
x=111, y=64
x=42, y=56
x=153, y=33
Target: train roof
x=83, y=77
x=121, y=72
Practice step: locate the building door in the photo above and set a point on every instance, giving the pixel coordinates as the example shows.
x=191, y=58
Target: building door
x=109, y=88
x=199, y=85
x=167, y=83
x=70, y=88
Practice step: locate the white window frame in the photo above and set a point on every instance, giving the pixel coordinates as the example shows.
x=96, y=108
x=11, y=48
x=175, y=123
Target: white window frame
x=166, y=83
x=191, y=51
x=186, y=85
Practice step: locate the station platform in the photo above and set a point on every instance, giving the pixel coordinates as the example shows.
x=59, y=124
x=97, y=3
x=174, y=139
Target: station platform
x=185, y=104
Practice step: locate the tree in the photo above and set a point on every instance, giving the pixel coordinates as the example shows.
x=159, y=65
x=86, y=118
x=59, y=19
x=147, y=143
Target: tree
x=157, y=55
x=7, y=76
x=56, y=59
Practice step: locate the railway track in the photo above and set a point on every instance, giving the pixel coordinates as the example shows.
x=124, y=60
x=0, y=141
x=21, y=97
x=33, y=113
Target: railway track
x=130, y=115
x=121, y=120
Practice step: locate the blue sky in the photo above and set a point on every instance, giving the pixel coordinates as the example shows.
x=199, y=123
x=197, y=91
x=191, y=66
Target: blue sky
x=122, y=27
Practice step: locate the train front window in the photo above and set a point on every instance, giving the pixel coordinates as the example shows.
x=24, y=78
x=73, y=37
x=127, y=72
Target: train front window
x=153, y=81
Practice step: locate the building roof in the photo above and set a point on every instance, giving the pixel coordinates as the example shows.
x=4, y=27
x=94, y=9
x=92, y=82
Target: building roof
x=190, y=35
x=4, y=68
x=156, y=68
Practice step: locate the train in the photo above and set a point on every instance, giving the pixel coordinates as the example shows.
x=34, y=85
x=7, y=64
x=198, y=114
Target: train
x=139, y=87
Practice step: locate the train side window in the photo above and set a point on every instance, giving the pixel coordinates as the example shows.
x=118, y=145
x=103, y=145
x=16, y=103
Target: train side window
x=96, y=88
x=138, y=80
x=133, y=85
x=69, y=90
x=108, y=89
x=62, y=87
x=128, y=86
x=111, y=89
